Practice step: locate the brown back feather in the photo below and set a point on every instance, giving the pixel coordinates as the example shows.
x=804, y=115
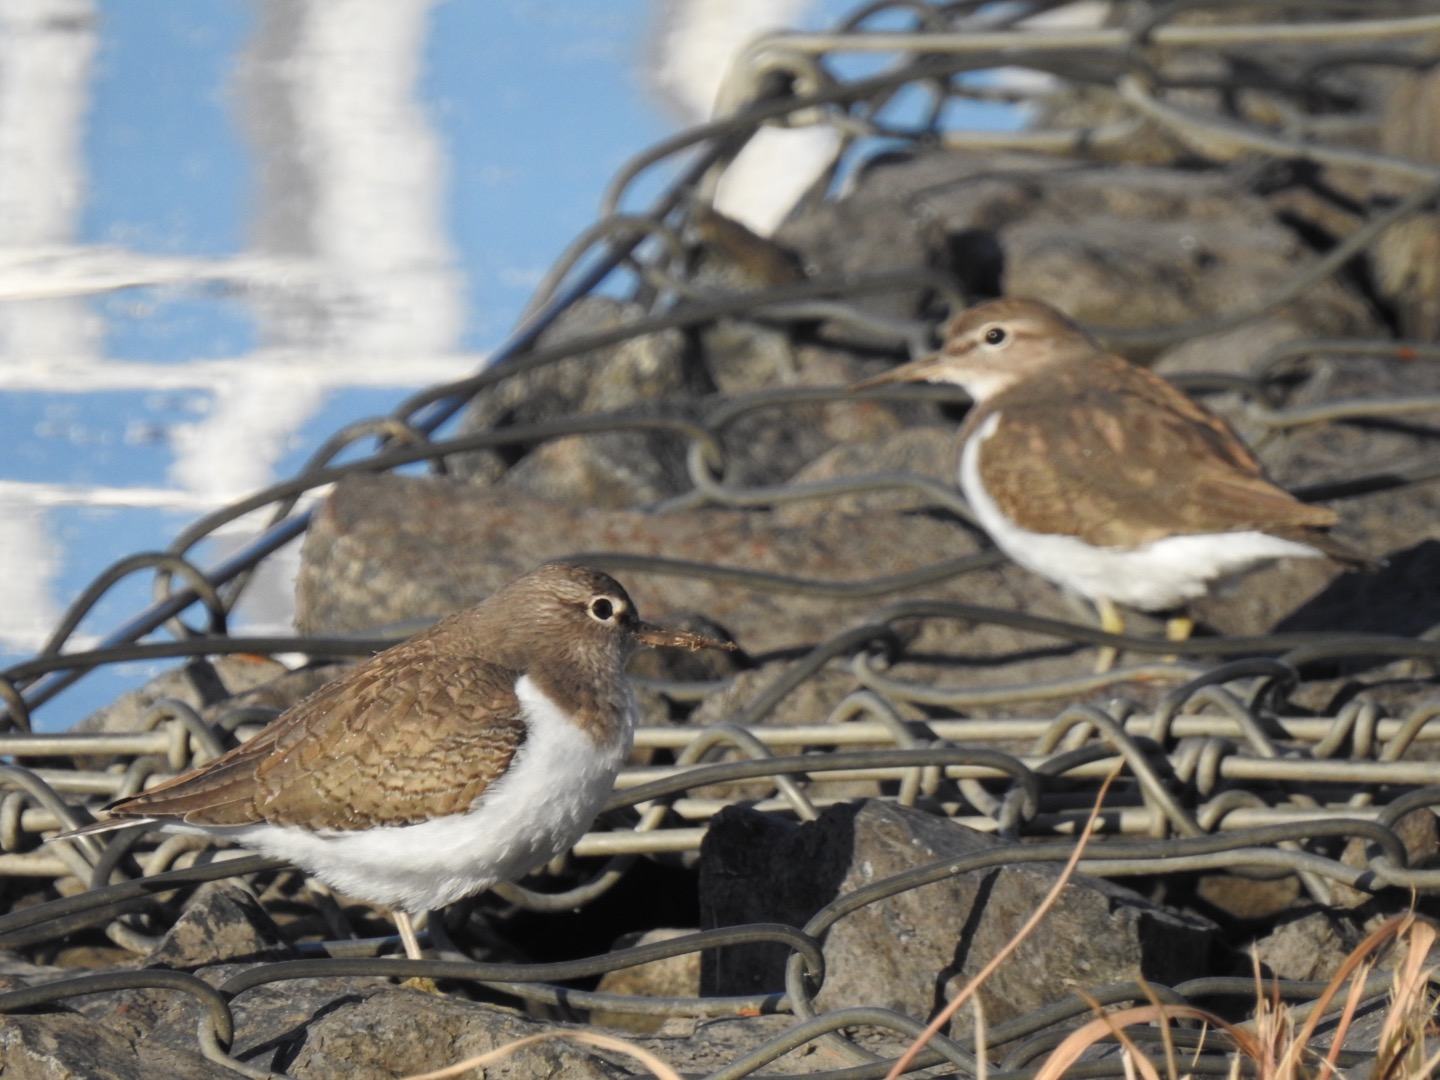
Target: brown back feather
x=1119, y=457
x=351, y=756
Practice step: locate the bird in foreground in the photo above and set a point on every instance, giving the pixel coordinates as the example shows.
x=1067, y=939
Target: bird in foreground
x=1100, y=475
x=465, y=756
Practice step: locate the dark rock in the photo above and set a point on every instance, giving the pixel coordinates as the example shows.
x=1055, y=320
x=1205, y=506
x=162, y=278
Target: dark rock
x=607, y=469
x=868, y=232
x=759, y=868
x=1120, y=246
x=222, y=923
x=768, y=444
x=728, y=258
x=913, y=951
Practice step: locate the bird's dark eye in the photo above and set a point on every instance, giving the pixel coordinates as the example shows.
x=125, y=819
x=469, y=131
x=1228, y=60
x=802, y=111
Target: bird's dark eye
x=994, y=336
x=602, y=608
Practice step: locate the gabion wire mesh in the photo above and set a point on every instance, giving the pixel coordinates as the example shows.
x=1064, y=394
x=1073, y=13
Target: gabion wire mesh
x=1223, y=771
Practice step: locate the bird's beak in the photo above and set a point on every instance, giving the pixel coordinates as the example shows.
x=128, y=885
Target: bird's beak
x=926, y=368
x=663, y=637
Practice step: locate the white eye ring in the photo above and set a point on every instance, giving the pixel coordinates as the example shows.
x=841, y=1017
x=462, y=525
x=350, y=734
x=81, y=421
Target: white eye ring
x=605, y=609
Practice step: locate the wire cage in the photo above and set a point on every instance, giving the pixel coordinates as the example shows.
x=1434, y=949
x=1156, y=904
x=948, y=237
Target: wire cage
x=1292, y=753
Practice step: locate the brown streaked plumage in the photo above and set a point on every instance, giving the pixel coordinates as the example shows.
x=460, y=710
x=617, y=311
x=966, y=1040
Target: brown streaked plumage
x=1100, y=475
x=464, y=756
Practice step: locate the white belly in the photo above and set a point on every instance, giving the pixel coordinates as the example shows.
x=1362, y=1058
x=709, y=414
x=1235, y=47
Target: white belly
x=1152, y=576
x=556, y=784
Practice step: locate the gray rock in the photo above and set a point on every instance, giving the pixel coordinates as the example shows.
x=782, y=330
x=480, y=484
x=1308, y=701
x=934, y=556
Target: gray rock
x=1143, y=247
x=1392, y=1056
x=872, y=230
x=386, y=1033
x=769, y=445
x=660, y=375
x=67, y=1046
x=307, y=1028
x=928, y=450
x=1311, y=946
x=608, y=469
x=279, y=693
x=222, y=923
x=913, y=951
x=384, y=548
x=809, y=703
x=700, y=1047
x=678, y=976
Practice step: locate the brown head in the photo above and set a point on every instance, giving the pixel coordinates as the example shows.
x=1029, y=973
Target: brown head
x=574, y=613
x=993, y=346
x=571, y=630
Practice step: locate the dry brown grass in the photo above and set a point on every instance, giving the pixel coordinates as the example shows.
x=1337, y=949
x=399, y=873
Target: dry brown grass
x=1279, y=1046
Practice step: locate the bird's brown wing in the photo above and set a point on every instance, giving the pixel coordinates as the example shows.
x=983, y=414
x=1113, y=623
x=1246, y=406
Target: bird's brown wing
x=1118, y=456
x=399, y=739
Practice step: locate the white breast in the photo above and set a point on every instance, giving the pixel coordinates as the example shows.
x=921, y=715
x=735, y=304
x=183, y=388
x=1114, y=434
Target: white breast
x=556, y=784
x=1153, y=576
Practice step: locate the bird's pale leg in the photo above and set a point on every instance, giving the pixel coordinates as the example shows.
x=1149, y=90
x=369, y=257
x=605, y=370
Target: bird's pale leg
x=406, y=927
x=407, y=935
x=1177, y=629
x=1112, y=623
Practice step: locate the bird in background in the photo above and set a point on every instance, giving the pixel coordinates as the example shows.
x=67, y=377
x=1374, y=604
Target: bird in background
x=1101, y=476
x=465, y=756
